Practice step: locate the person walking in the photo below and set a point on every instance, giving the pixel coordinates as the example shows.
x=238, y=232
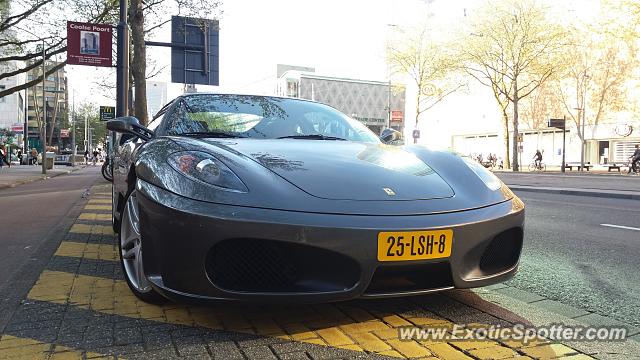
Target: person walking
x=20, y=156
x=95, y=157
x=34, y=156
x=1, y=156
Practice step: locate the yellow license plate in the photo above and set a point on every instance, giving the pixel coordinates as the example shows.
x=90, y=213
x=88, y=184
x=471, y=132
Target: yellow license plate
x=414, y=245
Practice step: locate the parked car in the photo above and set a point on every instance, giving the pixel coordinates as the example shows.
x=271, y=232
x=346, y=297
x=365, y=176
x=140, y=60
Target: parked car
x=261, y=198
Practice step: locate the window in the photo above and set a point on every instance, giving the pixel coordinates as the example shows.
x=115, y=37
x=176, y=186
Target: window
x=263, y=118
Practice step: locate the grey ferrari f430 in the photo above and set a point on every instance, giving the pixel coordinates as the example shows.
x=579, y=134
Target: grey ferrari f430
x=256, y=198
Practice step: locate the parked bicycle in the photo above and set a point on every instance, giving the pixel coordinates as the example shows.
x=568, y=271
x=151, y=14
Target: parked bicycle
x=534, y=166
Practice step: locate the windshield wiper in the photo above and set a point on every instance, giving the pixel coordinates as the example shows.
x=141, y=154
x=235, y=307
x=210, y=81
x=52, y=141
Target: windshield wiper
x=312, y=137
x=212, y=134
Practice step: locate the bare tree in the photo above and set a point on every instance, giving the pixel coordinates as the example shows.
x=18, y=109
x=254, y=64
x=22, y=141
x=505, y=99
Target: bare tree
x=595, y=82
x=416, y=54
x=515, y=51
x=38, y=21
x=143, y=26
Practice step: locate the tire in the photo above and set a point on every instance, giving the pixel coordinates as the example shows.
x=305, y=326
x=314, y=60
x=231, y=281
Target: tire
x=532, y=167
x=106, y=172
x=130, y=246
x=543, y=167
x=115, y=223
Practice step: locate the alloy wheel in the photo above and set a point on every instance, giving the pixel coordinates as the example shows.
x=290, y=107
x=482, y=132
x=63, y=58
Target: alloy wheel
x=131, y=245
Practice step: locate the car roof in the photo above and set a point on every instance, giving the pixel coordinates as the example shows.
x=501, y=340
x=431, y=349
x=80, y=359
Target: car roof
x=247, y=95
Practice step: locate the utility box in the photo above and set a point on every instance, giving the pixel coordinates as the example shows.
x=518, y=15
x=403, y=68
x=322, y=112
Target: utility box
x=50, y=158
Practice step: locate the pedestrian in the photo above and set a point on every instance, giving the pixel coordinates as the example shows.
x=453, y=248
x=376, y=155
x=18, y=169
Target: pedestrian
x=95, y=157
x=86, y=156
x=634, y=160
x=34, y=156
x=20, y=156
x=1, y=156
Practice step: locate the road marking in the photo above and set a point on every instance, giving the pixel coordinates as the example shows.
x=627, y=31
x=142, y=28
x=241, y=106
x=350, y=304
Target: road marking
x=88, y=251
x=621, y=227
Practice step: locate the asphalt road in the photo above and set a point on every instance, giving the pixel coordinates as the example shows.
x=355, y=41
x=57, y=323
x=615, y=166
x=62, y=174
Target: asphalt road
x=30, y=215
x=569, y=256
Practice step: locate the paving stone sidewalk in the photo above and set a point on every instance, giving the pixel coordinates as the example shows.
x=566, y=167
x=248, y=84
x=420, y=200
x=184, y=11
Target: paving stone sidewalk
x=81, y=308
x=22, y=174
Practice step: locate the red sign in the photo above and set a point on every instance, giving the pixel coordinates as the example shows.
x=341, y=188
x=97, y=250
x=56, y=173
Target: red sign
x=64, y=133
x=19, y=128
x=396, y=116
x=89, y=44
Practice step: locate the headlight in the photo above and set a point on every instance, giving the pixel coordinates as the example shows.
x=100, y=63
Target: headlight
x=485, y=175
x=203, y=167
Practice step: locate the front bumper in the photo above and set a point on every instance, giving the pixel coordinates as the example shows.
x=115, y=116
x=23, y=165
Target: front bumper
x=196, y=250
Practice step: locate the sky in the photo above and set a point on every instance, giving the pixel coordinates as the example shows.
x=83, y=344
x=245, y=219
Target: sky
x=342, y=38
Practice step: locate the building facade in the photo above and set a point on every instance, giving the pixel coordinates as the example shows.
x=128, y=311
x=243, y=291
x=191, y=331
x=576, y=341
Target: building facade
x=55, y=88
x=156, y=96
x=374, y=103
x=611, y=143
x=12, y=105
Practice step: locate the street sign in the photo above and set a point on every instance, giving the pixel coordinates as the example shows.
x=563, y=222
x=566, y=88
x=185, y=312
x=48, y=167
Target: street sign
x=416, y=134
x=556, y=123
x=64, y=133
x=89, y=44
x=17, y=128
x=194, y=51
x=396, y=116
x=107, y=113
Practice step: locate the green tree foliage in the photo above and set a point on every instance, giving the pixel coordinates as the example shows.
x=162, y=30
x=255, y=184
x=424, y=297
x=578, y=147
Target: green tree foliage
x=89, y=112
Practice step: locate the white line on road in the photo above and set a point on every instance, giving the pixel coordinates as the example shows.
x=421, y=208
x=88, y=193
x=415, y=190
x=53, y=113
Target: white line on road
x=621, y=227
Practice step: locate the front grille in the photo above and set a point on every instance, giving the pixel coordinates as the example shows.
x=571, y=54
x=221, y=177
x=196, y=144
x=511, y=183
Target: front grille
x=255, y=264
x=258, y=265
x=503, y=251
x=406, y=278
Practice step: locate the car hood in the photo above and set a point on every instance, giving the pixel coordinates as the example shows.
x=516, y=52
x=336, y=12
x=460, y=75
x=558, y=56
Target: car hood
x=344, y=170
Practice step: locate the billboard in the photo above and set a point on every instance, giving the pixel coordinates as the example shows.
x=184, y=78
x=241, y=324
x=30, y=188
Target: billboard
x=89, y=44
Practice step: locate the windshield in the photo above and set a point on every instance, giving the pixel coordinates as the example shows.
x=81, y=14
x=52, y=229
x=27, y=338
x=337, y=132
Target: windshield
x=263, y=117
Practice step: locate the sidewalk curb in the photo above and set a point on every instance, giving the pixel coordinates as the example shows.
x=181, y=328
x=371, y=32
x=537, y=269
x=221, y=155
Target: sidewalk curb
x=579, y=192
x=22, y=182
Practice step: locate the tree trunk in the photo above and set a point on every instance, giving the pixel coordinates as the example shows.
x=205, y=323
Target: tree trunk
x=505, y=139
x=138, y=63
x=415, y=141
x=515, y=126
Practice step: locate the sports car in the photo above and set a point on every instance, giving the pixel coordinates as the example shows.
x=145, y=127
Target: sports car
x=258, y=198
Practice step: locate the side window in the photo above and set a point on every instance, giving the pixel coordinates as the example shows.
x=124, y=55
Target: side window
x=328, y=125
x=156, y=122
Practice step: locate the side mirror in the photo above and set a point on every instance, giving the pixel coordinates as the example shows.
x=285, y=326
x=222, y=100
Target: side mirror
x=130, y=125
x=389, y=136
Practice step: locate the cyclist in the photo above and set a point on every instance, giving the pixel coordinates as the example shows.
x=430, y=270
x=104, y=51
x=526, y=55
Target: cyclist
x=538, y=159
x=634, y=160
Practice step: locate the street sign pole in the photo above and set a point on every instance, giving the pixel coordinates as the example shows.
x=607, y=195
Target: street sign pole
x=73, y=129
x=43, y=133
x=122, y=66
x=564, y=143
